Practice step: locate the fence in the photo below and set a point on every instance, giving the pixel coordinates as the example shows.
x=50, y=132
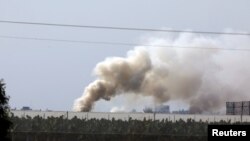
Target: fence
x=126, y=116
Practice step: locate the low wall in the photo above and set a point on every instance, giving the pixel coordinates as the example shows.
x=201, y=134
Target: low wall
x=126, y=116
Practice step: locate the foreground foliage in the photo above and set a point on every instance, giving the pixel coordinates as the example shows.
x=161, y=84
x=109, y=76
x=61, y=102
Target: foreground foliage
x=104, y=126
x=5, y=123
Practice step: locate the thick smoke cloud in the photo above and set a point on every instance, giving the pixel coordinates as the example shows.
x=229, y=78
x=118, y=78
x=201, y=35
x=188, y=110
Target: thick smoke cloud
x=203, y=78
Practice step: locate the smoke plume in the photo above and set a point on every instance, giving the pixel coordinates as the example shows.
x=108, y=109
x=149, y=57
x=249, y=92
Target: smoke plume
x=201, y=76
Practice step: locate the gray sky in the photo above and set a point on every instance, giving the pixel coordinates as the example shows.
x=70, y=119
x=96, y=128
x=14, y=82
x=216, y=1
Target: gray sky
x=46, y=74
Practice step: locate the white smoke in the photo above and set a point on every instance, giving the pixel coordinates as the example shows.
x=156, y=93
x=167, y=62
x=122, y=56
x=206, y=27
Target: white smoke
x=118, y=109
x=201, y=77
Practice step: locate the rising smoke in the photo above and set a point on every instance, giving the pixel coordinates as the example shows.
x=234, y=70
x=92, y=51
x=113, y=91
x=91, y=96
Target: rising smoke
x=201, y=77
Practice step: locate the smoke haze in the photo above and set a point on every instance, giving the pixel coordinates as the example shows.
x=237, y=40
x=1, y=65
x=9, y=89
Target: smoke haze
x=202, y=78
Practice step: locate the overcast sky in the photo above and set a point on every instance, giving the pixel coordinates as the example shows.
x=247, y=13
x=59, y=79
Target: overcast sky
x=47, y=74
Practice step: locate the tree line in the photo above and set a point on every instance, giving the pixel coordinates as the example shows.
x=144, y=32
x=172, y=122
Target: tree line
x=113, y=126
x=61, y=128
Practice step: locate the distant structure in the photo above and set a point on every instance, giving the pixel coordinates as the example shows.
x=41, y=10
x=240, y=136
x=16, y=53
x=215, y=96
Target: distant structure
x=133, y=111
x=162, y=109
x=181, y=112
x=25, y=108
x=148, y=110
x=238, y=108
x=158, y=109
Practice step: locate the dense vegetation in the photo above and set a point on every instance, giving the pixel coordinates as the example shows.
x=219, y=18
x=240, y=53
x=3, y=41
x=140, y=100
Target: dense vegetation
x=76, y=125
x=93, y=128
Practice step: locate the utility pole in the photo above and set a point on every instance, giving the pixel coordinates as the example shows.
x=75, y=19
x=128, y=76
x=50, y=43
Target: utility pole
x=154, y=115
x=154, y=110
x=67, y=115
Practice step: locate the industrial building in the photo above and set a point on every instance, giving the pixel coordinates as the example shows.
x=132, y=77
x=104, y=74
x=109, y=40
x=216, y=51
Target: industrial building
x=164, y=109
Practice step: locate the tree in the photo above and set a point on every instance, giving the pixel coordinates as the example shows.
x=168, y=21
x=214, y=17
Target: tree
x=5, y=123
